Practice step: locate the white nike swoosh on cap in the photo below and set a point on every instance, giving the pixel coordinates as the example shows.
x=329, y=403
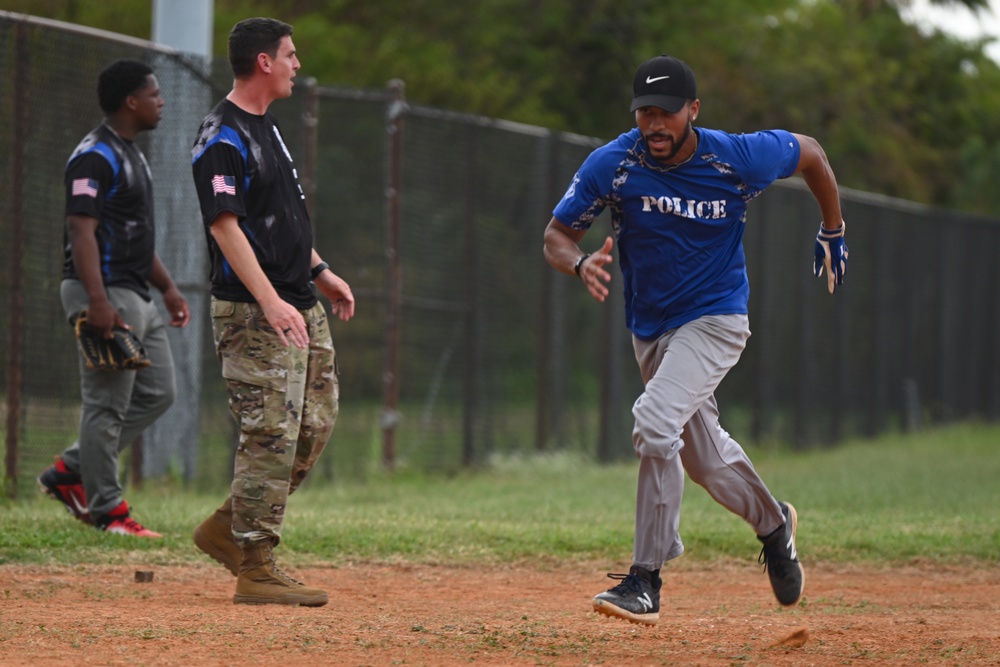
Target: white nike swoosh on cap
x=650, y=79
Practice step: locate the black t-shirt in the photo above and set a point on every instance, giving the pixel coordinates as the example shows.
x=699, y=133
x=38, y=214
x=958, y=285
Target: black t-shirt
x=241, y=165
x=108, y=179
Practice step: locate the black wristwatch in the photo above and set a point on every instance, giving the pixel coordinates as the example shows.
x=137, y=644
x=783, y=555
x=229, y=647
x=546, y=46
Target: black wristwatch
x=579, y=262
x=318, y=269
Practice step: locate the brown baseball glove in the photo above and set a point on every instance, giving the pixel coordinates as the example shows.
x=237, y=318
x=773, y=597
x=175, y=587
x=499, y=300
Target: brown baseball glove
x=123, y=351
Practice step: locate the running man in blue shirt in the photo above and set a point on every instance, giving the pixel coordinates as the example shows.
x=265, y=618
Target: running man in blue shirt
x=678, y=198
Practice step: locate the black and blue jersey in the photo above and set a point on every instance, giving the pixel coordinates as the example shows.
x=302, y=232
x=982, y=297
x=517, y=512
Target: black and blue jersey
x=679, y=228
x=241, y=165
x=108, y=179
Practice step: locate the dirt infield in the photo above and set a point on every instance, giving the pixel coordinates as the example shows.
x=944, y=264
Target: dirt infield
x=432, y=615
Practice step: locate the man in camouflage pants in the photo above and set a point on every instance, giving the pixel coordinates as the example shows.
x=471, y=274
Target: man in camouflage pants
x=271, y=331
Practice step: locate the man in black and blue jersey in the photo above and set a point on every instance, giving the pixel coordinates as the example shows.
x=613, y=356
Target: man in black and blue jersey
x=271, y=332
x=110, y=263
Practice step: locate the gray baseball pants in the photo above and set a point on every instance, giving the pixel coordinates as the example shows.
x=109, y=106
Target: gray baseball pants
x=677, y=429
x=117, y=405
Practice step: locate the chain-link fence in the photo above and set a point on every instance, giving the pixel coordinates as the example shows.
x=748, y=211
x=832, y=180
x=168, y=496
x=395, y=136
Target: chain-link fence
x=47, y=107
x=465, y=344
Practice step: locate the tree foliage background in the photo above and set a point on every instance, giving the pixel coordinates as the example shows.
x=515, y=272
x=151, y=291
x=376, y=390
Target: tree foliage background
x=899, y=112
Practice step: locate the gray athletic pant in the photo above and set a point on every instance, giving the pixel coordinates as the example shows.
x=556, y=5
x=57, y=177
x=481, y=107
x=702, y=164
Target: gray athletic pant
x=677, y=429
x=117, y=405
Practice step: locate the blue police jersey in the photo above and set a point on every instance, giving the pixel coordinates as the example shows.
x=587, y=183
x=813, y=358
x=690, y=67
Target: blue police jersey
x=679, y=228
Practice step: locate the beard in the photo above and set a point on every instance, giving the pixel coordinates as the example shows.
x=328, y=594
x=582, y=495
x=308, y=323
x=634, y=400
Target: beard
x=675, y=146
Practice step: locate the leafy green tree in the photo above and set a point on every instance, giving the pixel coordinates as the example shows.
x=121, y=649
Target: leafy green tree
x=899, y=112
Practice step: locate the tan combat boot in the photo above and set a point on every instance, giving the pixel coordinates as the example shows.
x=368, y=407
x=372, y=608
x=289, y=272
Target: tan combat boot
x=261, y=581
x=214, y=536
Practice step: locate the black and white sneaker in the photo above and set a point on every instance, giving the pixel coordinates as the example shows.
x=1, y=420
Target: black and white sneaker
x=780, y=560
x=636, y=598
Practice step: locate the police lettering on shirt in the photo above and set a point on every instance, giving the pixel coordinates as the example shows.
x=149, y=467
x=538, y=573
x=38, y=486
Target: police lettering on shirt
x=705, y=210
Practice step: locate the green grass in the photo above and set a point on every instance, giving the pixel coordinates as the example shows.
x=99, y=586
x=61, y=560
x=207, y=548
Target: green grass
x=931, y=497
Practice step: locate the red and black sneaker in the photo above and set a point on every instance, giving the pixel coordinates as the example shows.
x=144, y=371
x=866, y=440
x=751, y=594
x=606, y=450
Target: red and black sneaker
x=58, y=482
x=118, y=521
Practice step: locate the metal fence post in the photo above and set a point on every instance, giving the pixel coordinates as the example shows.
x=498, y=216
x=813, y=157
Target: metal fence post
x=473, y=366
x=310, y=121
x=394, y=284
x=15, y=339
x=543, y=364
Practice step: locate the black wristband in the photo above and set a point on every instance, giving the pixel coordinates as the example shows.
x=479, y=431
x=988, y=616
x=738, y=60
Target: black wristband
x=579, y=262
x=318, y=269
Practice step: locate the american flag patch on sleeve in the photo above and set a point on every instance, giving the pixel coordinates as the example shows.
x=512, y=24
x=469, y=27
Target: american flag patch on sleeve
x=223, y=185
x=84, y=186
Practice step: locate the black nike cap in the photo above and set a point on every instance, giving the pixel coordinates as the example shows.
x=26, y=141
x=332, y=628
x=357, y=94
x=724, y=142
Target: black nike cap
x=664, y=82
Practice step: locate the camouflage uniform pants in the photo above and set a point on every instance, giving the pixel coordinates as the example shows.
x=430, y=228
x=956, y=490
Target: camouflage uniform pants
x=285, y=400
